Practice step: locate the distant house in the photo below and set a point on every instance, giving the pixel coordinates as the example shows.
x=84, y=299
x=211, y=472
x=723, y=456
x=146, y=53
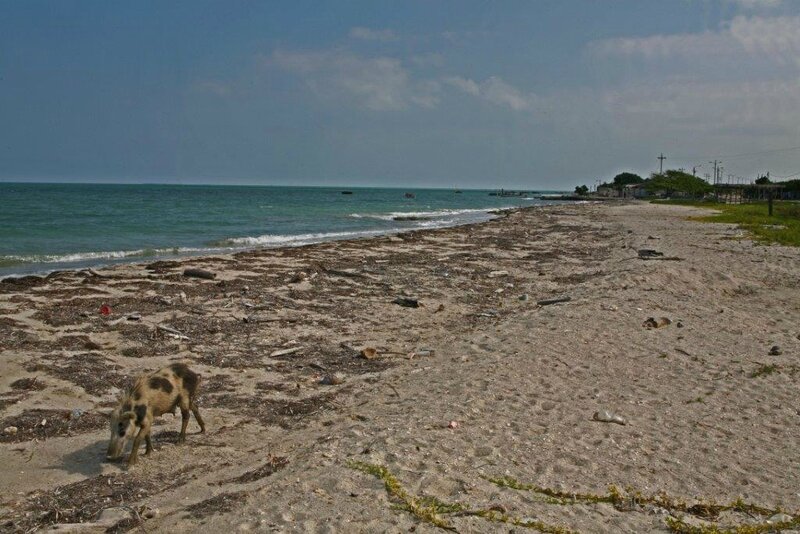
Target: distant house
x=606, y=191
x=634, y=191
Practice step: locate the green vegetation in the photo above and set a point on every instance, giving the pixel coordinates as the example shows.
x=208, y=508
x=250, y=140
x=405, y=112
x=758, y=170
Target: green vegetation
x=581, y=190
x=678, y=182
x=626, y=178
x=430, y=509
x=783, y=227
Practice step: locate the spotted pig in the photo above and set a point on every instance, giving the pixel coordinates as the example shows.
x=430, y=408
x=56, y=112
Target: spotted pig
x=152, y=395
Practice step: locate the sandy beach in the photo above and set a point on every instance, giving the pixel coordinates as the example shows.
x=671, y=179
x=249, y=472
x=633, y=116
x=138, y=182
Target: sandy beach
x=477, y=410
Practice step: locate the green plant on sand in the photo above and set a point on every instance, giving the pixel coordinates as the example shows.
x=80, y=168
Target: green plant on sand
x=782, y=228
x=431, y=509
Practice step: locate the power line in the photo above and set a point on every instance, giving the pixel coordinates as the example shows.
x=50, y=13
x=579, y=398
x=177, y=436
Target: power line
x=785, y=177
x=740, y=155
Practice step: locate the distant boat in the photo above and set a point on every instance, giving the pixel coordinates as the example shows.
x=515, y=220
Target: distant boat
x=458, y=191
x=411, y=195
x=347, y=192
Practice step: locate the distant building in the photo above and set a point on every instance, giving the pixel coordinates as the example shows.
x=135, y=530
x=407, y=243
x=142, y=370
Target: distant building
x=636, y=191
x=606, y=191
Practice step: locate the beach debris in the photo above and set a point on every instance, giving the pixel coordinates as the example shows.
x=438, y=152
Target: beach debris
x=105, y=309
x=369, y=353
x=497, y=274
x=604, y=416
x=652, y=322
x=648, y=253
x=524, y=297
x=285, y=352
x=653, y=237
x=76, y=413
x=488, y=313
x=679, y=324
x=779, y=518
x=775, y=351
x=407, y=302
x=135, y=316
x=177, y=334
x=199, y=273
x=332, y=380
x=94, y=273
x=452, y=424
x=439, y=309
x=422, y=353
x=548, y=302
x=608, y=307
x=301, y=276
x=10, y=430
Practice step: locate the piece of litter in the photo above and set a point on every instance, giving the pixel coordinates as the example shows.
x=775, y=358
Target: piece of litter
x=284, y=352
x=332, y=380
x=652, y=322
x=604, y=416
x=369, y=353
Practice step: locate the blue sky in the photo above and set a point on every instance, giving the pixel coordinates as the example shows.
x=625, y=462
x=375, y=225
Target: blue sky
x=527, y=94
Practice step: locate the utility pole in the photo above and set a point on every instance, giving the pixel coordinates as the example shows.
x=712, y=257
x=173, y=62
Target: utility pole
x=661, y=159
x=716, y=176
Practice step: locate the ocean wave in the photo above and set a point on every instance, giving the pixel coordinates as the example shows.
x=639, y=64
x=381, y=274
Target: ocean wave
x=75, y=257
x=421, y=215
x=296, y=239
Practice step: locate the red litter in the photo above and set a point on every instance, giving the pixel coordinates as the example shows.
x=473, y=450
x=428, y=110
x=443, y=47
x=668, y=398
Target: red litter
x=105, y=309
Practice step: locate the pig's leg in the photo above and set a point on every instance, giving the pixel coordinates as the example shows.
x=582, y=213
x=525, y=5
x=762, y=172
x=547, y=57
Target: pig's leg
x=184, y=424
x=137, y=442
x=199, y=418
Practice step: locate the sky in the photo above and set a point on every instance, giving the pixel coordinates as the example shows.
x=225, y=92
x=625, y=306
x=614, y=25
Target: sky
x=430, y=93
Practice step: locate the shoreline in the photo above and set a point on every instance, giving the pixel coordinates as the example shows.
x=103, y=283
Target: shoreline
x=476, y=383
x=494, y=214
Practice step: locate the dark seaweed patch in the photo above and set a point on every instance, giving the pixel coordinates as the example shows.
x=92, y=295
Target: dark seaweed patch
x=57, y=423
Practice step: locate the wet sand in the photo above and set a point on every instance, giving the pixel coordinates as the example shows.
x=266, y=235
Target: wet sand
x=476, y=384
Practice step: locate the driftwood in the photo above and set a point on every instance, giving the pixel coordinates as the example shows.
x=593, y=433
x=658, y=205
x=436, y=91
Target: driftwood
x=547, y=302
x=199, y=273
x=172, y=331
x=284, y=352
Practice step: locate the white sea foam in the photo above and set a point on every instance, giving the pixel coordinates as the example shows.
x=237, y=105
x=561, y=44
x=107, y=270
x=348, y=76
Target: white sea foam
x=267, y=240
x=391, y=216
x=102, y=255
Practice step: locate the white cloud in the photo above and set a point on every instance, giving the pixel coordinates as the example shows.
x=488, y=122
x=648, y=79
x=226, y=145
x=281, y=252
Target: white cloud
x=757, y=4
x=737, y=108
x=766, y=39
x=496, y=91
x=368, y=34
x=380, y=83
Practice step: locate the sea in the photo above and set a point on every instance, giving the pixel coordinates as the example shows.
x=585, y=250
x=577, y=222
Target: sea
x=48, y=227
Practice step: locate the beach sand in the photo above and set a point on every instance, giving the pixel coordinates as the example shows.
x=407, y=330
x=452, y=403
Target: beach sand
x=477, y=383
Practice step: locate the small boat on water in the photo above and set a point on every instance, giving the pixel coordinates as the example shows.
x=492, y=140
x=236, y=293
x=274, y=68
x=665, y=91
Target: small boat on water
x=347, y=192
x=411, y=195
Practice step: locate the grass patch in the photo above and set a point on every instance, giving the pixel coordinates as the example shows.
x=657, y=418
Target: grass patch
x=764, y=370
x=706, y=510
x=430, y=509
x=782, y=228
